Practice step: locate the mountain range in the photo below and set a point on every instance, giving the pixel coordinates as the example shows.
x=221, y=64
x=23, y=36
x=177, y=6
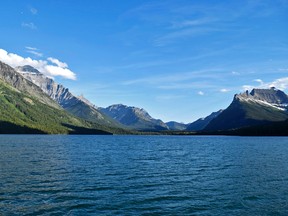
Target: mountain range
x=33, y=103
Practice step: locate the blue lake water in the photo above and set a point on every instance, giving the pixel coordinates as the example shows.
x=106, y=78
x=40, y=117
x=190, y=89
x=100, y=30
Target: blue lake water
x=143, y=175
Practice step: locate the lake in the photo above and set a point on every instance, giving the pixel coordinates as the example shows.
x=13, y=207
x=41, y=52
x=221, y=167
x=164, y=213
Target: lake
x=143, y=175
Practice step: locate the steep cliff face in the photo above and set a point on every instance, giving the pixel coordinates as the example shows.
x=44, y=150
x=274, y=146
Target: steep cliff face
x=258, y=107
x=56, y=91
x=10, y=76
x=134, y=117
x=77, y=106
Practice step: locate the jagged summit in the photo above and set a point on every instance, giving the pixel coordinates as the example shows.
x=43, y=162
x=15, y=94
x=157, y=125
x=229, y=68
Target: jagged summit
x=272, y=95
x=269, y=97
x=27, y=69
x=258, y=107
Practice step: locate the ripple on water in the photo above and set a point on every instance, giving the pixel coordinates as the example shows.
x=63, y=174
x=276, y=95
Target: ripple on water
x=143, y=175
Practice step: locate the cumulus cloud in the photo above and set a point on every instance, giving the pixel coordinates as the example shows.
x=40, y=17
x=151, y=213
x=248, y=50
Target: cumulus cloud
x=281, y=83
x=200, y=93
x=43, y=66
x=30, y=25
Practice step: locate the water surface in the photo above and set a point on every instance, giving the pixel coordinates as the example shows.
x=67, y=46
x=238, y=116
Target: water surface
x=143, y=175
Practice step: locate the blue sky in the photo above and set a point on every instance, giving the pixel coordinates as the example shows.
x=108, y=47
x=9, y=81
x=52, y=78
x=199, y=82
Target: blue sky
x=178, y=59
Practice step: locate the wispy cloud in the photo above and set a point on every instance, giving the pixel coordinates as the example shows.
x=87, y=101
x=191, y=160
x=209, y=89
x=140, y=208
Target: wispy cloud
x=176, y=77
x=29, y=25
x=33, y=51
x=235, y=73
x=169, y=97
x=181, y=34
x=33, y=10
x=224, y=90
x=192, y=22
x=38, y=54
x=43, y=66
x=31, y=48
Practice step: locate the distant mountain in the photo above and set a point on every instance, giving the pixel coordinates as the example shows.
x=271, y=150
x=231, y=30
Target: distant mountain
x=172, y=125
x=78, y=106
x=134, y=118
x=258, y=107
x=25, y=108
x=201, y=123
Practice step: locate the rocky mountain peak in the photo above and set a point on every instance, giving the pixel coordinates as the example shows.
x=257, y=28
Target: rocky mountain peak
x=27, y=69
x=271, y=95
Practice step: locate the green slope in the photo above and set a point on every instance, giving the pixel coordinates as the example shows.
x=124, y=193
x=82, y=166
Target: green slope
x=242, y=114
x=23, y=113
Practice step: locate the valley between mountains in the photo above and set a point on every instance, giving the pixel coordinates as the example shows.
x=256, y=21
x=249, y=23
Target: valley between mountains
x=31, y=103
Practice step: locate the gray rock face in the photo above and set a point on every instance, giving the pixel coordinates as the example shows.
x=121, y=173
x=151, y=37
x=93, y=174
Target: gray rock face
x=56, y=91
x=272, y=96
x=77, y=106
x=10, y=76
x=134, y=118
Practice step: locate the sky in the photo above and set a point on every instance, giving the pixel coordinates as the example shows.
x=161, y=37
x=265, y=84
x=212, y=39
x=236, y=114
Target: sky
x=180, y=60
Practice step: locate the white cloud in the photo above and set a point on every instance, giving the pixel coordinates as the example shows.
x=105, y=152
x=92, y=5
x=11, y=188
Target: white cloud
x=38, y=54
x=33, y=51
x=31, y=48
x=259, y=81
x=43, y=66
x=57, y=62
x=194, y=22
x=281, y=83
x=224, y=90
x=30, y=25
x=235, y=73
x=200, y=93
x=34, y=11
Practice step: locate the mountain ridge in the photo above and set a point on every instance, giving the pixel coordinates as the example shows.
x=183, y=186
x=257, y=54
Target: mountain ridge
x=258, y=107
x=134, y=117
x=78, y=106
